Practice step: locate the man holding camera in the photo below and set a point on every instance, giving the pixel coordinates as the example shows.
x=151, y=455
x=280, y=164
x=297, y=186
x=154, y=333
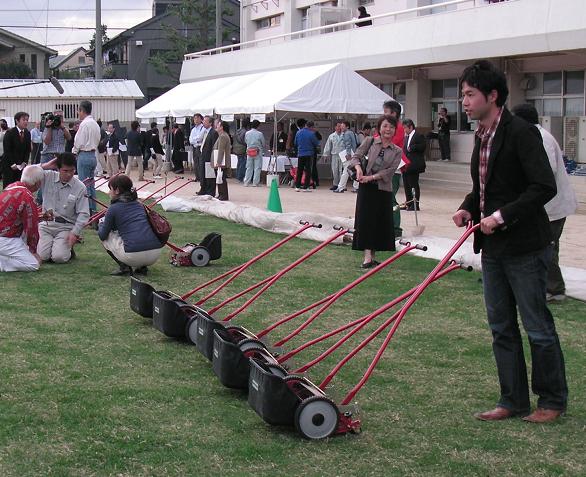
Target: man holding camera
x=55, y=135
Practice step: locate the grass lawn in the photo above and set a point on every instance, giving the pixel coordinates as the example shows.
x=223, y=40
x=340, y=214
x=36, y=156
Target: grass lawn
x=87, y=387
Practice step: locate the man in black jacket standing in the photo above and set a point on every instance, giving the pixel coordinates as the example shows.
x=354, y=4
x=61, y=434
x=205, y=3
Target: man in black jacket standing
x=178, y=149
x=512, y=181
x=414, y=149
x=17, y=150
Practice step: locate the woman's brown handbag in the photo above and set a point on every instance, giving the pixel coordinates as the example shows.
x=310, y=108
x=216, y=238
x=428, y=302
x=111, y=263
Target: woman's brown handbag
x=160, y=225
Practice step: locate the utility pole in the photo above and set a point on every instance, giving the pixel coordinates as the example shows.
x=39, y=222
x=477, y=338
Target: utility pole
x=98, y=46
x=218, y=23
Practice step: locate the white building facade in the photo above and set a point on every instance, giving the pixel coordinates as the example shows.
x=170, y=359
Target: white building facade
x=416, y=51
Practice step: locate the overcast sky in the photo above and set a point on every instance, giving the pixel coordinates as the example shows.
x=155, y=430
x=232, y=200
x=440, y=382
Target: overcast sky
x=33, y=15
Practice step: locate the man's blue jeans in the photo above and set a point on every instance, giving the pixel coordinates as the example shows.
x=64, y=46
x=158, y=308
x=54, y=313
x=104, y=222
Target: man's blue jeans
x=241, y=167
x=520, y=282
x=86, y=168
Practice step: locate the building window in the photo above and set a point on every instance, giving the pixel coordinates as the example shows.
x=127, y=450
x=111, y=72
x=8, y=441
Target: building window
x=444, y=94
x=23, y=58
x=574, y=82
x=395, y=91
x=69, y=110
x=34, y=64
x=552, y=83
x=81, y=60
x=558, y=93
x=269, y=22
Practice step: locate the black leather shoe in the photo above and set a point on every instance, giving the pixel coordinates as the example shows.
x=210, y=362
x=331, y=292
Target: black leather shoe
x=367, y=265
x=122, y=271
x=141, y=270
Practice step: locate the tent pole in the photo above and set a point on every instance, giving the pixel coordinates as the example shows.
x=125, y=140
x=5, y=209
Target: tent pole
x=275, y=141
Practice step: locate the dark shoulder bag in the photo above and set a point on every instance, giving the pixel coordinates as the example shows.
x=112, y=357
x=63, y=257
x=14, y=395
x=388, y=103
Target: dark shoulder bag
x=160, y=225
x=363, y=162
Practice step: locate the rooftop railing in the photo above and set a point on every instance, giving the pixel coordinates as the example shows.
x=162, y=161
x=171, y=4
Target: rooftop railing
x=334, y=27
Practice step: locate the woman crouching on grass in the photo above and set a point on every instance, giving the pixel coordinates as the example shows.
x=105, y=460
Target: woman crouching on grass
x=126, y=232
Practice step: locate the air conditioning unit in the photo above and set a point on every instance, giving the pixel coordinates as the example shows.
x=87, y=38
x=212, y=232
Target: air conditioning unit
x=574, y=144
x=138, y=43
x=555, y=125
x=527, y=83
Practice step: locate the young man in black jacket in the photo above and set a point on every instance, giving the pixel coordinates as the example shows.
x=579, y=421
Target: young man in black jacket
x=512, y=181
x=17, y=149
x=414, y=149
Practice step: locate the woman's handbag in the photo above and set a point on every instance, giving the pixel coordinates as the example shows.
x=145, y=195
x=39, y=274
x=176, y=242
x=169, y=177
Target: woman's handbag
x=160, y=225
x=252, y=152
x=363, y=163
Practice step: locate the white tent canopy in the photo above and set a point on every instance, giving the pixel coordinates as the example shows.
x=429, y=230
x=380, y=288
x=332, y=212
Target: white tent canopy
x=331, y=88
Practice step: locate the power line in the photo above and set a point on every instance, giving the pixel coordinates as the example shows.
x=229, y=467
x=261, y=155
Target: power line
x=79, y=10
x=86, y=28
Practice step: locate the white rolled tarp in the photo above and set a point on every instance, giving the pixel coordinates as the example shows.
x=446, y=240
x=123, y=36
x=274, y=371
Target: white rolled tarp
x=331, y=88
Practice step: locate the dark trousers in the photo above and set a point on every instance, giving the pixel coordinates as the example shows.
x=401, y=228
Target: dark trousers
x=10, y=176
x=124, y=157
x=555, y=281
x=314, y=172
x=241, y=167
x=36, y=153
x=303, y=165
x=208, y=186
x=196, y=160
x=444, y=144
x=410, y=182
x=223, y=187
x=146, y=155
x=519, y=282
x=202, y=175
x=177, y=159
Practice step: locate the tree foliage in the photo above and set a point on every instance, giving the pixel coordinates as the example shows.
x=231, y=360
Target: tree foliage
x=15, y=70
x=198, y=33
x=104, y=37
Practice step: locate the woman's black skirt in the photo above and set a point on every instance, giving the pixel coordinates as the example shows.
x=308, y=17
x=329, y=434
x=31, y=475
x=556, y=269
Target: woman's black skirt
x=373, y=223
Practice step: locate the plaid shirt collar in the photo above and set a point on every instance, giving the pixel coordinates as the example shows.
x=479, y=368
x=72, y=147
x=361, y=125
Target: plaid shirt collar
x=484, y=133
x=486, y=136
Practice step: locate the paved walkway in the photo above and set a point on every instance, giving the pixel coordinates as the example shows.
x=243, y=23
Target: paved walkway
x=436, y=214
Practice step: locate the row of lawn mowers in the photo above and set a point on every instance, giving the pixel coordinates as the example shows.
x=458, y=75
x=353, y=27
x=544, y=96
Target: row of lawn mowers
x=259, y=362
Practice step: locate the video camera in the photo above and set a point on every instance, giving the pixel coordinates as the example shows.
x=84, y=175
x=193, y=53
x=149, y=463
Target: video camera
x=56, y=120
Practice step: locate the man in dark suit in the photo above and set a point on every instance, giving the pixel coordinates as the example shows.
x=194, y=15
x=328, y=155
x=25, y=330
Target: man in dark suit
x=414, y=148
x=178, y=149
x=210, y=136
x=17, y=149
x=512, y=181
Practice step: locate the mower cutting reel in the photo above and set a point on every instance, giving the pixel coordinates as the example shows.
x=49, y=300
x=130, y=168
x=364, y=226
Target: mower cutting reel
x=198, y=255
x=293, y=400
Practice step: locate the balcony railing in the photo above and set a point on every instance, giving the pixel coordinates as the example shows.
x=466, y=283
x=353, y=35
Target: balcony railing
x=335, y=27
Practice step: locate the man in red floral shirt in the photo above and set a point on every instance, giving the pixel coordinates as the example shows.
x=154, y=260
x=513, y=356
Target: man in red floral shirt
x=19, y=223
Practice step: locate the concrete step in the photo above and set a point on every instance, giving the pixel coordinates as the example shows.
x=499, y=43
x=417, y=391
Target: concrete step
x=447, y=176
x=455, y=176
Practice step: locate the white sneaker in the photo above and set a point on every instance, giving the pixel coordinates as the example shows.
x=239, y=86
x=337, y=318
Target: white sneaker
x=307, y=190
x=157, y=177
x=297, y=189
